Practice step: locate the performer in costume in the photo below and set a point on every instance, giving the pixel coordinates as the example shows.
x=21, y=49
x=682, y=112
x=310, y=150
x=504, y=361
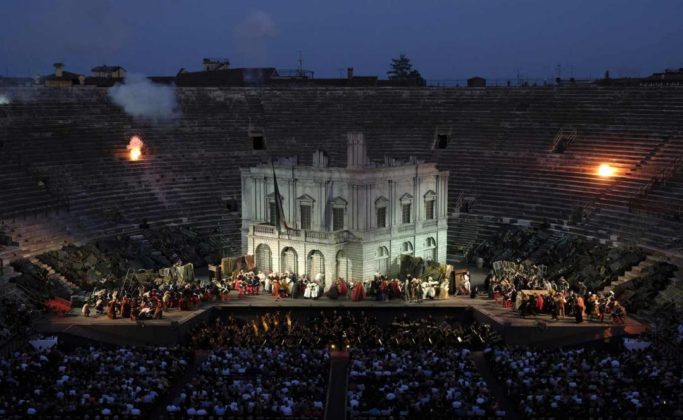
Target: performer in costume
x=466, y=285
x=428, y=288
x=342, y=289
x=357, y=292
x=443, y=289
x=580, y=310
x=111, y=309
x=276, y=288
x=125, y=307
x=265, y=281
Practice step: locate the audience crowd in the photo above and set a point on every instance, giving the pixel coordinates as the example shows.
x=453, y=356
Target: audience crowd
x=258, y=381
x=417, y=383
x=590, y=383
x=15, y=317
x=88, y=381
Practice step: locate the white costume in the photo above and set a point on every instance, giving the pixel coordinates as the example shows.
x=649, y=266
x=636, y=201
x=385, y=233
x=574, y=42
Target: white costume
x=466, y=283
x=312, y=290
x=428, y=288
x=265, y=281
x=320, y=280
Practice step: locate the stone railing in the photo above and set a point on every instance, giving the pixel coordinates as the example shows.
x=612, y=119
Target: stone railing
x=307, y=235
x=406, y=228
x=311, y=234
x=429, y=223
x=264, y=229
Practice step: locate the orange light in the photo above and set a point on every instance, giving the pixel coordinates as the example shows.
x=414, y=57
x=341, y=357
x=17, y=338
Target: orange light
x=135, y=148
x=606, y=170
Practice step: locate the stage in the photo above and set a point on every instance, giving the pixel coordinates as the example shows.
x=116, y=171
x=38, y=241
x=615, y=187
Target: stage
x=177, y=325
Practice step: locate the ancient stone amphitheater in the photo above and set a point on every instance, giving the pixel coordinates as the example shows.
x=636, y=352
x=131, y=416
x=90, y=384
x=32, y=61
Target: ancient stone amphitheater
x=65, y=175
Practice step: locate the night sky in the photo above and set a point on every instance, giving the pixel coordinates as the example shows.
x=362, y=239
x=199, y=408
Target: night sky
x=444, y=39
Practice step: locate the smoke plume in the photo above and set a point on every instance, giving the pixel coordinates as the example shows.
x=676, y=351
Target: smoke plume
x=4, y=100
x=251, y=37
x=141, y=98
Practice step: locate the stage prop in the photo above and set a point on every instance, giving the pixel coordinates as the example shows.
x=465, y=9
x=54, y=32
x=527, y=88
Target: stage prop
x=58, y=305
x=511, y=269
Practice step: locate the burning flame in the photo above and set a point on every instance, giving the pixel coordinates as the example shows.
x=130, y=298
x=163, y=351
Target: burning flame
x=606, y=170
x=135, y=148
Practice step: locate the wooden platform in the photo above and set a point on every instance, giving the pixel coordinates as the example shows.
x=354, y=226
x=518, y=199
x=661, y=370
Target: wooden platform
x=176, y=324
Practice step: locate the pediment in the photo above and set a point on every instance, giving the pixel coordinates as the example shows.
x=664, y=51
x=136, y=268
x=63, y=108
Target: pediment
x=305, y=198
x=430, y=195
x=406, y=198
x=339, y=202
x=381, y=202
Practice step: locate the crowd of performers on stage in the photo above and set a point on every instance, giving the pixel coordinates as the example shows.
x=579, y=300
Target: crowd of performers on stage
x=380, y=288
x=531, y=296
x=140, y=304
x=137, y=303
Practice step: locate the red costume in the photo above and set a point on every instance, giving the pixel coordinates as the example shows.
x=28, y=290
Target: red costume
x=276, y=289
x=111, y=310
x=357, y=293
x=341, y=287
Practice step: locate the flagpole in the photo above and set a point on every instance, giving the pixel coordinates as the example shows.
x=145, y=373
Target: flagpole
x=279, y=211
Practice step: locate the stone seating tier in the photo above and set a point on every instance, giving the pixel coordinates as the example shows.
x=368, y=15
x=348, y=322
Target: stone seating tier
x=499, y=150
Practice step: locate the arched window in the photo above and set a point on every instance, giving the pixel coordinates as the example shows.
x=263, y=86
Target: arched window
x=343, y=266
x=289, y=261
x=382, y=260
x=407, y=248
x=316, y=264
x=430, y=249
x=264, y=258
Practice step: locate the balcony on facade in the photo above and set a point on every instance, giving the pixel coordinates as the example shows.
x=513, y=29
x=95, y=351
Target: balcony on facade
x=311, y=236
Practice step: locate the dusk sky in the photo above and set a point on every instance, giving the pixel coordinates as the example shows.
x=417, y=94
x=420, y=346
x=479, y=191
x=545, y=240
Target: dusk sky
x=444, y=39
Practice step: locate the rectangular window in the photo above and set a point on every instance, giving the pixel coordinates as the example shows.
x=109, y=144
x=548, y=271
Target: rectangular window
x=406, y=214
x=338, y=218
x=382, y=217
x=272, y=213
x=258, y=142
x=305, y=217
x=429, y=209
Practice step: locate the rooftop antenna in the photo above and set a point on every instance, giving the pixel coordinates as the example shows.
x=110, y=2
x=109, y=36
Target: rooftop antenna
x=301, y=64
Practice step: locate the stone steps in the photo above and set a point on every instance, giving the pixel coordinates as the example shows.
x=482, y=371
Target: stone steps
x=634, y=273
x=53, y=274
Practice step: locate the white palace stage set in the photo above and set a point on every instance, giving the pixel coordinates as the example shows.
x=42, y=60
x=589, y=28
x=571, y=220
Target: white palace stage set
x=349, y=222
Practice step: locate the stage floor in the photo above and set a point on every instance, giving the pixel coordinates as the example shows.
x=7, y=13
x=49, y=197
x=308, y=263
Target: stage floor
x=515, y=328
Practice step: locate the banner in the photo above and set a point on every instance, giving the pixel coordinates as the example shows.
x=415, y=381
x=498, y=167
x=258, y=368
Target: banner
x=280, y=223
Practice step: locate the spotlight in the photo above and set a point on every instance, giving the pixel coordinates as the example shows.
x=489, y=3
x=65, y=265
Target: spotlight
x=605, y=170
